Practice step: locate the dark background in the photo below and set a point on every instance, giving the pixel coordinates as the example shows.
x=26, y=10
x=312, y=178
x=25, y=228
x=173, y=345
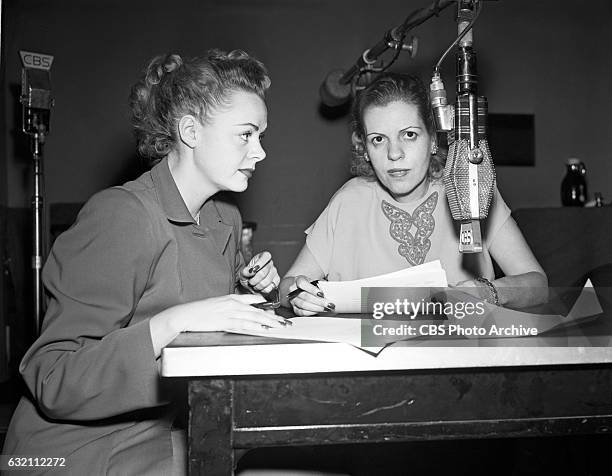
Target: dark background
x=549, y=59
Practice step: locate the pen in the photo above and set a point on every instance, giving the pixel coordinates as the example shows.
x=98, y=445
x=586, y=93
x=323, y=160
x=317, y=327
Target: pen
x=297, y=291
x=266, y=305
x=254, y=269
x=272, y=300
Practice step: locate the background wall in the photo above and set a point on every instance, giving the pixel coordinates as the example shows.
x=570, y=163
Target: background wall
x=545, y=57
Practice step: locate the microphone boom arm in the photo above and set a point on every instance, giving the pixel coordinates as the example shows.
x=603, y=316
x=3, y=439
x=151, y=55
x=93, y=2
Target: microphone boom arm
x=394, y=37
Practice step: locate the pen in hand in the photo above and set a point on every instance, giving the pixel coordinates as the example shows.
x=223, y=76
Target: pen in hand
x=329, y=307
x=297, y=291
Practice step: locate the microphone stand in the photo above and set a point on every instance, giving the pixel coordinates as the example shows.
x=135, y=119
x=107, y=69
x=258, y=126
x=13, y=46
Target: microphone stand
x=394, y=38
x=339, y=85
x=36, y=108
x=38, y=220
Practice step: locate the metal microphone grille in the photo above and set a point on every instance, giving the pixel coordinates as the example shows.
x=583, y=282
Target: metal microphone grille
x=456, y=180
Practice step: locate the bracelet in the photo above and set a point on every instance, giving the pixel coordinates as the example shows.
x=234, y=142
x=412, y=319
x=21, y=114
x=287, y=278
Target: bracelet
x=493, y=296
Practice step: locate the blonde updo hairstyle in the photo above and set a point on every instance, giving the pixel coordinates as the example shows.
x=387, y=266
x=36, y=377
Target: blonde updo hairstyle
x=387, y=88
x=172, y=87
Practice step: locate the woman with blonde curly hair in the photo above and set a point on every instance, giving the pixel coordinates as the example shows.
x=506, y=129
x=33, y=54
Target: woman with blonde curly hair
x=143, y=262
x=394, y=214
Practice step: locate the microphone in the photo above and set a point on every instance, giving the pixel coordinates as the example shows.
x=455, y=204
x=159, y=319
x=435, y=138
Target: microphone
x=469, y=175
x=36, y=93
x=338, y=86
x=333, y=91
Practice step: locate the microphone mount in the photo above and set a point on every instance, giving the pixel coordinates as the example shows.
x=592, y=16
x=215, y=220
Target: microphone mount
x=395, y=39
x=339, y=85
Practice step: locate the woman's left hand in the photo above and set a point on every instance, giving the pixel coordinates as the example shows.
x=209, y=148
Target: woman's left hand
x=260, y=275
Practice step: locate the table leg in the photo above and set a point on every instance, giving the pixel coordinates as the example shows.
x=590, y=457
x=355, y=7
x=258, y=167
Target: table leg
x=210, y=428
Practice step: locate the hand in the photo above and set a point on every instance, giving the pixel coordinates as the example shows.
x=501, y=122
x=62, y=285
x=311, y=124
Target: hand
x=260, y=275
x=227, y=313
x=311, y=300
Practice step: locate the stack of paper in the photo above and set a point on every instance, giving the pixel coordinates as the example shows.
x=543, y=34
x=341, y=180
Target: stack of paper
x=346, y=295
x=350, y=331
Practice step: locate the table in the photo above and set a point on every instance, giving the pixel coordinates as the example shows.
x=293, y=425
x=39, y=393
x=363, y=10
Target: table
x=246, y=392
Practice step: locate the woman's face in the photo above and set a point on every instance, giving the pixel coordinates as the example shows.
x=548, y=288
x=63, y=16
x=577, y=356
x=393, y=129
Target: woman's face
x=399, y=147
x=230, y=142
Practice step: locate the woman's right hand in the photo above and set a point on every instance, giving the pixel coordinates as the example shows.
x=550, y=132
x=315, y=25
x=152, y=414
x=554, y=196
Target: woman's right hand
x=310, y=300
x=226, y=313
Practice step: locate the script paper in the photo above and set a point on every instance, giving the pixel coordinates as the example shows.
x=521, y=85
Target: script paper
x=586, y=305
x=346, y=295
x=349, y=330
x=321, y=329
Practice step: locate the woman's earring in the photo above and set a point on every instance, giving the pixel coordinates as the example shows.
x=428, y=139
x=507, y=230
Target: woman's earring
x=434, y=148
x=366, y=157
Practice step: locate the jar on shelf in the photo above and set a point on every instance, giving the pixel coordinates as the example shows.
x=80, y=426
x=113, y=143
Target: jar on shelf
x=574, y=186
x=597, y=201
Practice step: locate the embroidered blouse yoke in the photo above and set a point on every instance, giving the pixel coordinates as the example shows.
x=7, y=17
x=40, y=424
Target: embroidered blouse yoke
x=364, y=232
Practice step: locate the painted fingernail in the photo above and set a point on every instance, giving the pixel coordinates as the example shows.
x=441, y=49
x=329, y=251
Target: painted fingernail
x=320, y=294
x=254, y=269
x=327, y=309
x=265, y=327
x=331, y=305
x=288, y=322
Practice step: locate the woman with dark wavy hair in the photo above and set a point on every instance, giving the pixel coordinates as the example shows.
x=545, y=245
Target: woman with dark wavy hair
x=143, y=262
x=394, y=214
